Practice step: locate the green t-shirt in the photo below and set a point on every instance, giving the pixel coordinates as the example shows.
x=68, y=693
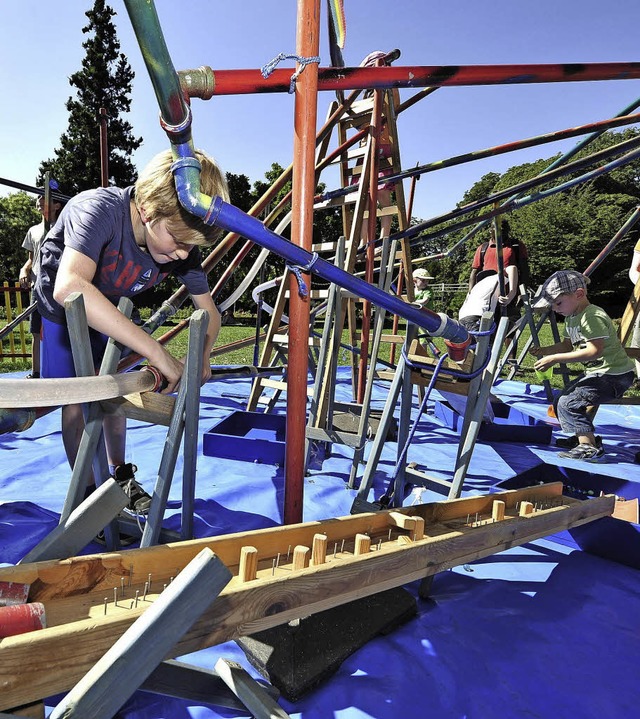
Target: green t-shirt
x=423, y=297
x=593, y=323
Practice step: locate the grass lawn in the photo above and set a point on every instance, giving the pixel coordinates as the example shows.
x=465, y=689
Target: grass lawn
x=235, y=334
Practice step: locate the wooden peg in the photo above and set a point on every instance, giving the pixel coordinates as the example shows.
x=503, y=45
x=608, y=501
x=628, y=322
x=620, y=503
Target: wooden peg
x=362, y=544
x=301, y=557
x=526, y=508
x=497, y=510
x=248, y=568
x=418, y=529
x=319, y=549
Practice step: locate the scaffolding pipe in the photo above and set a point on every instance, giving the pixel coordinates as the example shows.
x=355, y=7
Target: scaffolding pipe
x=602, y=125
x=249, y=81
x=556, y=163
x=521, y=187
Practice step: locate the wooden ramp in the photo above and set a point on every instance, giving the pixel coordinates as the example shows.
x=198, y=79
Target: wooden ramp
x=278, y=574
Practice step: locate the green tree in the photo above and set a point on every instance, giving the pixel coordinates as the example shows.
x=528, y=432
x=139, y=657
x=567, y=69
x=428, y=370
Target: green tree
x=17, y=214
x=104, y=81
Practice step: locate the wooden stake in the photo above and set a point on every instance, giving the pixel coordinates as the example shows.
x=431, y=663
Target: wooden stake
x=526, y=508
x=248, y=568
x=300, y=557
x=319, y=553
x=497, y=510
x=362, y=544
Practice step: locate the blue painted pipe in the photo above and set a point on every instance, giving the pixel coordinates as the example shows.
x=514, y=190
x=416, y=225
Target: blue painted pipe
x=176, y=121
x=231, y=219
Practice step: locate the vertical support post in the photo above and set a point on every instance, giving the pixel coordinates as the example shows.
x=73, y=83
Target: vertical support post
x=188, y=395
x=306, y=95
x=370, y=237
x=104, y=149
x=192, y=377
x=472, y=426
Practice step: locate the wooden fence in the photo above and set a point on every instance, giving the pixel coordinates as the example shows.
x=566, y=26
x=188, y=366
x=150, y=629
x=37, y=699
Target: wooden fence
x=13, y=335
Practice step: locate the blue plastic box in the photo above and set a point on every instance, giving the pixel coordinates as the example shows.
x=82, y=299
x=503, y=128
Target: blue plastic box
x=248, y=436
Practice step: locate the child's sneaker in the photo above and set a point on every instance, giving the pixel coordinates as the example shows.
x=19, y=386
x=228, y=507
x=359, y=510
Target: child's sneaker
x=571, y=442
x=584, y=452
x=139, y=500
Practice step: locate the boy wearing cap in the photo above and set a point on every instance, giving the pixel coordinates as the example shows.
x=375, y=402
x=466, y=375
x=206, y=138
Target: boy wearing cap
x=423, y=293
x=590, y=338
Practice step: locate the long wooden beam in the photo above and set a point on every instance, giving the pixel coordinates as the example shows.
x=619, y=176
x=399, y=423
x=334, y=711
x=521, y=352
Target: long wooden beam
x=351, y=557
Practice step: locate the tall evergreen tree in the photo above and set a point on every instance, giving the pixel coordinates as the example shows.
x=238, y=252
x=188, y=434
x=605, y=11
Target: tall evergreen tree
x=104, y=81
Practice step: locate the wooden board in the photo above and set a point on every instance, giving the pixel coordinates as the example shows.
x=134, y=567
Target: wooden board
x=83, y=622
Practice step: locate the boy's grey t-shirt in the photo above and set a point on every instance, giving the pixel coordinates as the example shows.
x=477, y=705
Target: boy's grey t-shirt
x=98, y=224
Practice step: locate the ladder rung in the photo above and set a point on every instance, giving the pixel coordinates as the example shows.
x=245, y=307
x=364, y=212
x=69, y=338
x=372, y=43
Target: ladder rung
x=279, y=384
x=284, y=340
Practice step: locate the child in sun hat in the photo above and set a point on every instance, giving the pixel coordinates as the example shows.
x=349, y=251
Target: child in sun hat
x=423, y=293
x=590, y=338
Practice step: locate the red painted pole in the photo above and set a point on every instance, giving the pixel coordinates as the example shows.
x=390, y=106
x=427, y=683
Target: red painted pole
x=306, y=106
x=238, y=82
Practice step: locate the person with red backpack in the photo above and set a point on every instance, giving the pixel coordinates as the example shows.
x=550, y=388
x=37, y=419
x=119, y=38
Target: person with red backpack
x=516, y=266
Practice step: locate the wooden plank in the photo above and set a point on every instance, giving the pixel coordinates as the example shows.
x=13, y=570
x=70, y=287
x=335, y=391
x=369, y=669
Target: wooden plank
x=80, y=632
x=82, y=525
x=248, y=691
x=147, y=407
x=196, y=684
x=627, y=510
x=117, y=674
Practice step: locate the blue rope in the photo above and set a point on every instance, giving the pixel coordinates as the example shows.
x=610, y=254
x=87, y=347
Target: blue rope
x=297, y=271
x=302, y=62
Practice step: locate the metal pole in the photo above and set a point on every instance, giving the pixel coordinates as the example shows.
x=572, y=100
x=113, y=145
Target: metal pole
x=306, y=97
x=239, y=82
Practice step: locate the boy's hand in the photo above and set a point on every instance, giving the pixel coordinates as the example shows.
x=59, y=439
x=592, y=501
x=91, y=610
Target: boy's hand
x=171, y=369
x=545, y=363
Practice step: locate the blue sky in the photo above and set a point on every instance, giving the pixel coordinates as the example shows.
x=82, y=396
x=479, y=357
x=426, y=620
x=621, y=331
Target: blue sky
x=40, y=47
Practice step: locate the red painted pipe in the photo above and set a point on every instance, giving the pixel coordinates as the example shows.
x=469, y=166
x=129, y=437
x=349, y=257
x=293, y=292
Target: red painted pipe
x=238, y=82
x=21, y=618
x=13, y=593
x=304, y=141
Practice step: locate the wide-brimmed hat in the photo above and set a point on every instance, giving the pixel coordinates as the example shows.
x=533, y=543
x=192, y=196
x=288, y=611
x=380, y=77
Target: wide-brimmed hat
x=562, y=282
x=422, y=274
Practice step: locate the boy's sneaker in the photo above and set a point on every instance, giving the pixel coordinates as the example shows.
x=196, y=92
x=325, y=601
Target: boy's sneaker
x=126, y=540
x=139, y=500
x=584, y=452
x=571, y=442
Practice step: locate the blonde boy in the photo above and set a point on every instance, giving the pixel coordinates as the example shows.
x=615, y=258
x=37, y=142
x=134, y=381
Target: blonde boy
x=110, y=243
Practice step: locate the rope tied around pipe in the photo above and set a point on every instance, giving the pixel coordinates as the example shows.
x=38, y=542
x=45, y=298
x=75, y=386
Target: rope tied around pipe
x=267, y=69
x=297, y=271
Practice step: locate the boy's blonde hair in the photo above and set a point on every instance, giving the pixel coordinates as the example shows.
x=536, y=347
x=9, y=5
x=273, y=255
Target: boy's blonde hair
x=155, y=191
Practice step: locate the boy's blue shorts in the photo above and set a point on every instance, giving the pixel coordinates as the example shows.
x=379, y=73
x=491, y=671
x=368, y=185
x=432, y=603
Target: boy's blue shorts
x=56, y=356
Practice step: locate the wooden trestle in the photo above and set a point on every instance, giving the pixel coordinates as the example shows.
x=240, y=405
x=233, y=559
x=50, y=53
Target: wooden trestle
x=279, y=574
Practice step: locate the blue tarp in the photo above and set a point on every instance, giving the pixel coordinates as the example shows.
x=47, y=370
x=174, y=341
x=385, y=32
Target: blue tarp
x=543, y=630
